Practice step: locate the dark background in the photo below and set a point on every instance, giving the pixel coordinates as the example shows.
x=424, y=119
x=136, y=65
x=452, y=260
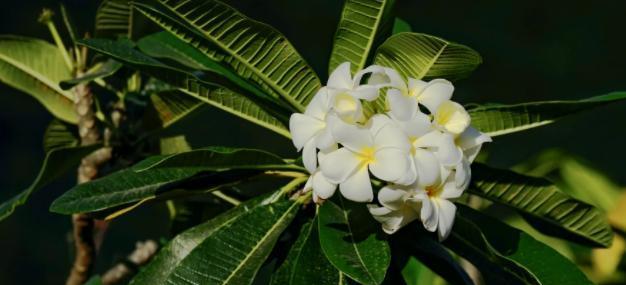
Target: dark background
x=532, y=50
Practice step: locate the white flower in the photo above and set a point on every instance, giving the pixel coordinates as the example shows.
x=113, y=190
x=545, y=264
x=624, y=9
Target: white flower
x=309, y=131
x=380, y=147
x=397, y=210
x=402, y=205
x=451, y=117
x=345, y=91
x=403, y=98
x=437, y=212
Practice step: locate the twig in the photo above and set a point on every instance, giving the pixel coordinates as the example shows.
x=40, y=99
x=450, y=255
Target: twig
x=144, y=251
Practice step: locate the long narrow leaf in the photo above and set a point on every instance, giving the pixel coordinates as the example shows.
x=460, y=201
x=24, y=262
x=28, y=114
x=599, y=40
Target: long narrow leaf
x=498, y=120
x=356, y=33
x=541, y=201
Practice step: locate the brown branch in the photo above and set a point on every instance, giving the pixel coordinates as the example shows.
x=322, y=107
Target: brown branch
x=83, y=226
x=144, y=251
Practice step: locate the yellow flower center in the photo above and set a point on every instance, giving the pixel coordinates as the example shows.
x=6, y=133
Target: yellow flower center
x=432, y=191
x=367, y=155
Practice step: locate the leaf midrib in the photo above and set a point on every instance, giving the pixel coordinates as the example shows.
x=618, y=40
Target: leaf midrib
x=353, y=243
x=262, y=240
x=35, y=75
x=433, y=60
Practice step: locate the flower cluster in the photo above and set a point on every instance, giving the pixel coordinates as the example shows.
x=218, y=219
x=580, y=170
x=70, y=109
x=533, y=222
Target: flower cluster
x=421, y=147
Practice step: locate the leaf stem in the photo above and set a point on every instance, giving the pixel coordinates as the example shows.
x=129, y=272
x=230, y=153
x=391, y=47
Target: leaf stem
x=226, y=198
x=46, y=18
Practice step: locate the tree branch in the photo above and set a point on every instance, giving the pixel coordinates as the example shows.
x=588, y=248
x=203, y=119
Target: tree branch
x=144, y=251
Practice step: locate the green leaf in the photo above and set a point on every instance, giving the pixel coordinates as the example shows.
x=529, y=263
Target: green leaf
x=306, y=263
x=498, y=120
x=168, y=176
x=36, y=67
x=352, y=241
x=416, y=273
x=506, y=255
x=356, y=33
x=401, y=26
x=114, y=19
x=102, y=70
x=229, y=249
x=417, y=242
x=422, y=56
x=59, y=134
x=541, y=201
x=62, y=155
x=173, y=145
x=201, y=88
x=169, y=108
x=252, y=49
x=95, y=280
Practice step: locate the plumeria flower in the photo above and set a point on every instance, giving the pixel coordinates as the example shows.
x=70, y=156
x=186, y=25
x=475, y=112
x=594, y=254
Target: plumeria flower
x=403, y=98
x=437, y=212
x=397, y=209
x=309, y=131
x=346, y=91
x=470, y=143
x=380, y=147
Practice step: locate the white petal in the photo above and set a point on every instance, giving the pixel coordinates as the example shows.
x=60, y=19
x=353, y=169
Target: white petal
x=303, y=128
x=341, y=77
x=463, y=173
x=450, y=191
x=410, y=176
x=372, y=70
x=428, y=168
x=323, y=188
x=447, y=151
x=415, y=127
x=338, y=165
x=395, y=80
x=447, y=211
x=324, y=139
x=470, y=141
x=435, y=93
x=366, y=92
x=309, y=156
x=352, y=137
x=392, y=197
x=453, y=117
x=309, y=184
x=429, y=214
x=347, y=107
x=319, y=105
x=402, y=107
x=390, y=164
x=416, y=86
x=377, y=122
x=358, y=187
x=391, y=220
x=431, y=139
x=391, y=136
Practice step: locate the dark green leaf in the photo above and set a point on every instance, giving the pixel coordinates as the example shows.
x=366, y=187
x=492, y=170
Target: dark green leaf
x=102, y=70
x=169, y=108
x=541, y=201
x=252, y=49
x=506, y=255
x=114, y=19
x=167, y=176
x=431, y=253
x=356, y=33
x=226, y=250
x=205, y=87
x=306, y=263
x=498, y=120
x=60, y=159
x=59, y=134
x=352, y=241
